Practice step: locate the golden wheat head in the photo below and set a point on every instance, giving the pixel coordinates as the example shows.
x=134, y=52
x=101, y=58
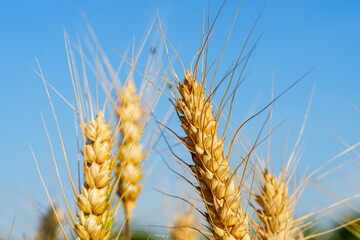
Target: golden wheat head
x=275, y=209
x=216, y=187
x=184, y=227
x=130, y=150
x=93, y=202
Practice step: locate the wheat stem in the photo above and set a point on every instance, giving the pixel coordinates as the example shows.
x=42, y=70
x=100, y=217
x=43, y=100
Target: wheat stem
x=128, y=228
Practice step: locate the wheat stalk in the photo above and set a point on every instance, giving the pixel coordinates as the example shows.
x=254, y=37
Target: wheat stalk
x=93, y=202
x=216, y=187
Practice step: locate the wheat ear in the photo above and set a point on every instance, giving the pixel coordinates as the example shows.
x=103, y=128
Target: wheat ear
x=130, y=150
x=93, y=202
x=275, y=209
x=217, y=189
x=49, y=226
x=184, y=227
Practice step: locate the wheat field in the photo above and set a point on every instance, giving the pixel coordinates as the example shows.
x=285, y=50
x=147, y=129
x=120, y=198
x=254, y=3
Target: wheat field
x=230, y=120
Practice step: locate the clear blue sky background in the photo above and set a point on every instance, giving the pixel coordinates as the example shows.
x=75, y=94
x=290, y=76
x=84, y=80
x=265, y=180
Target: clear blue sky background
x=297, y=36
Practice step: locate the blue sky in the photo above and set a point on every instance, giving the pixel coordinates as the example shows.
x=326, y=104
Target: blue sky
x=296, y=36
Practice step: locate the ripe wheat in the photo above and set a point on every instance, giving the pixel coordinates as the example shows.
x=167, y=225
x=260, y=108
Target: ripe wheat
x=184, y=227
x=222, y=199
x=93, y=202
x=49, y=227
x=276, y=211
x=130, y=150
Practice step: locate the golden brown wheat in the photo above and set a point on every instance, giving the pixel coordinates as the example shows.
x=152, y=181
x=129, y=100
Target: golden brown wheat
x=49, y=226
x=183, y=229
x=275, y=209
x=130, y=150
x=93, y=202
x=216, y=187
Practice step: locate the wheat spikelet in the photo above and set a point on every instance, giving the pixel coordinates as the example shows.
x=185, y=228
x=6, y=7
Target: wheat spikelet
x=217, y=189
x=93, y=202
x=130, y=150
x=276, y=209
x=49, y=226
x=183, y=229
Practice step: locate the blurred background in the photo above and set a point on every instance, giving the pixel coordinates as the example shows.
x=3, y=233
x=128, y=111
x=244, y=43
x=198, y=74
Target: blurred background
x=294, y=37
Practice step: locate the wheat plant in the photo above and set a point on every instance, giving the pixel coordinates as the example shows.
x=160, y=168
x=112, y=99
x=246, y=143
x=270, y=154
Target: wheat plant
x=94, y=216
x=130, y=150
x=185, y=227
x=221, y=197
x=133, y=111
x=193, y=102
x=114, y=151
x=95, y=199
x=275, y=203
